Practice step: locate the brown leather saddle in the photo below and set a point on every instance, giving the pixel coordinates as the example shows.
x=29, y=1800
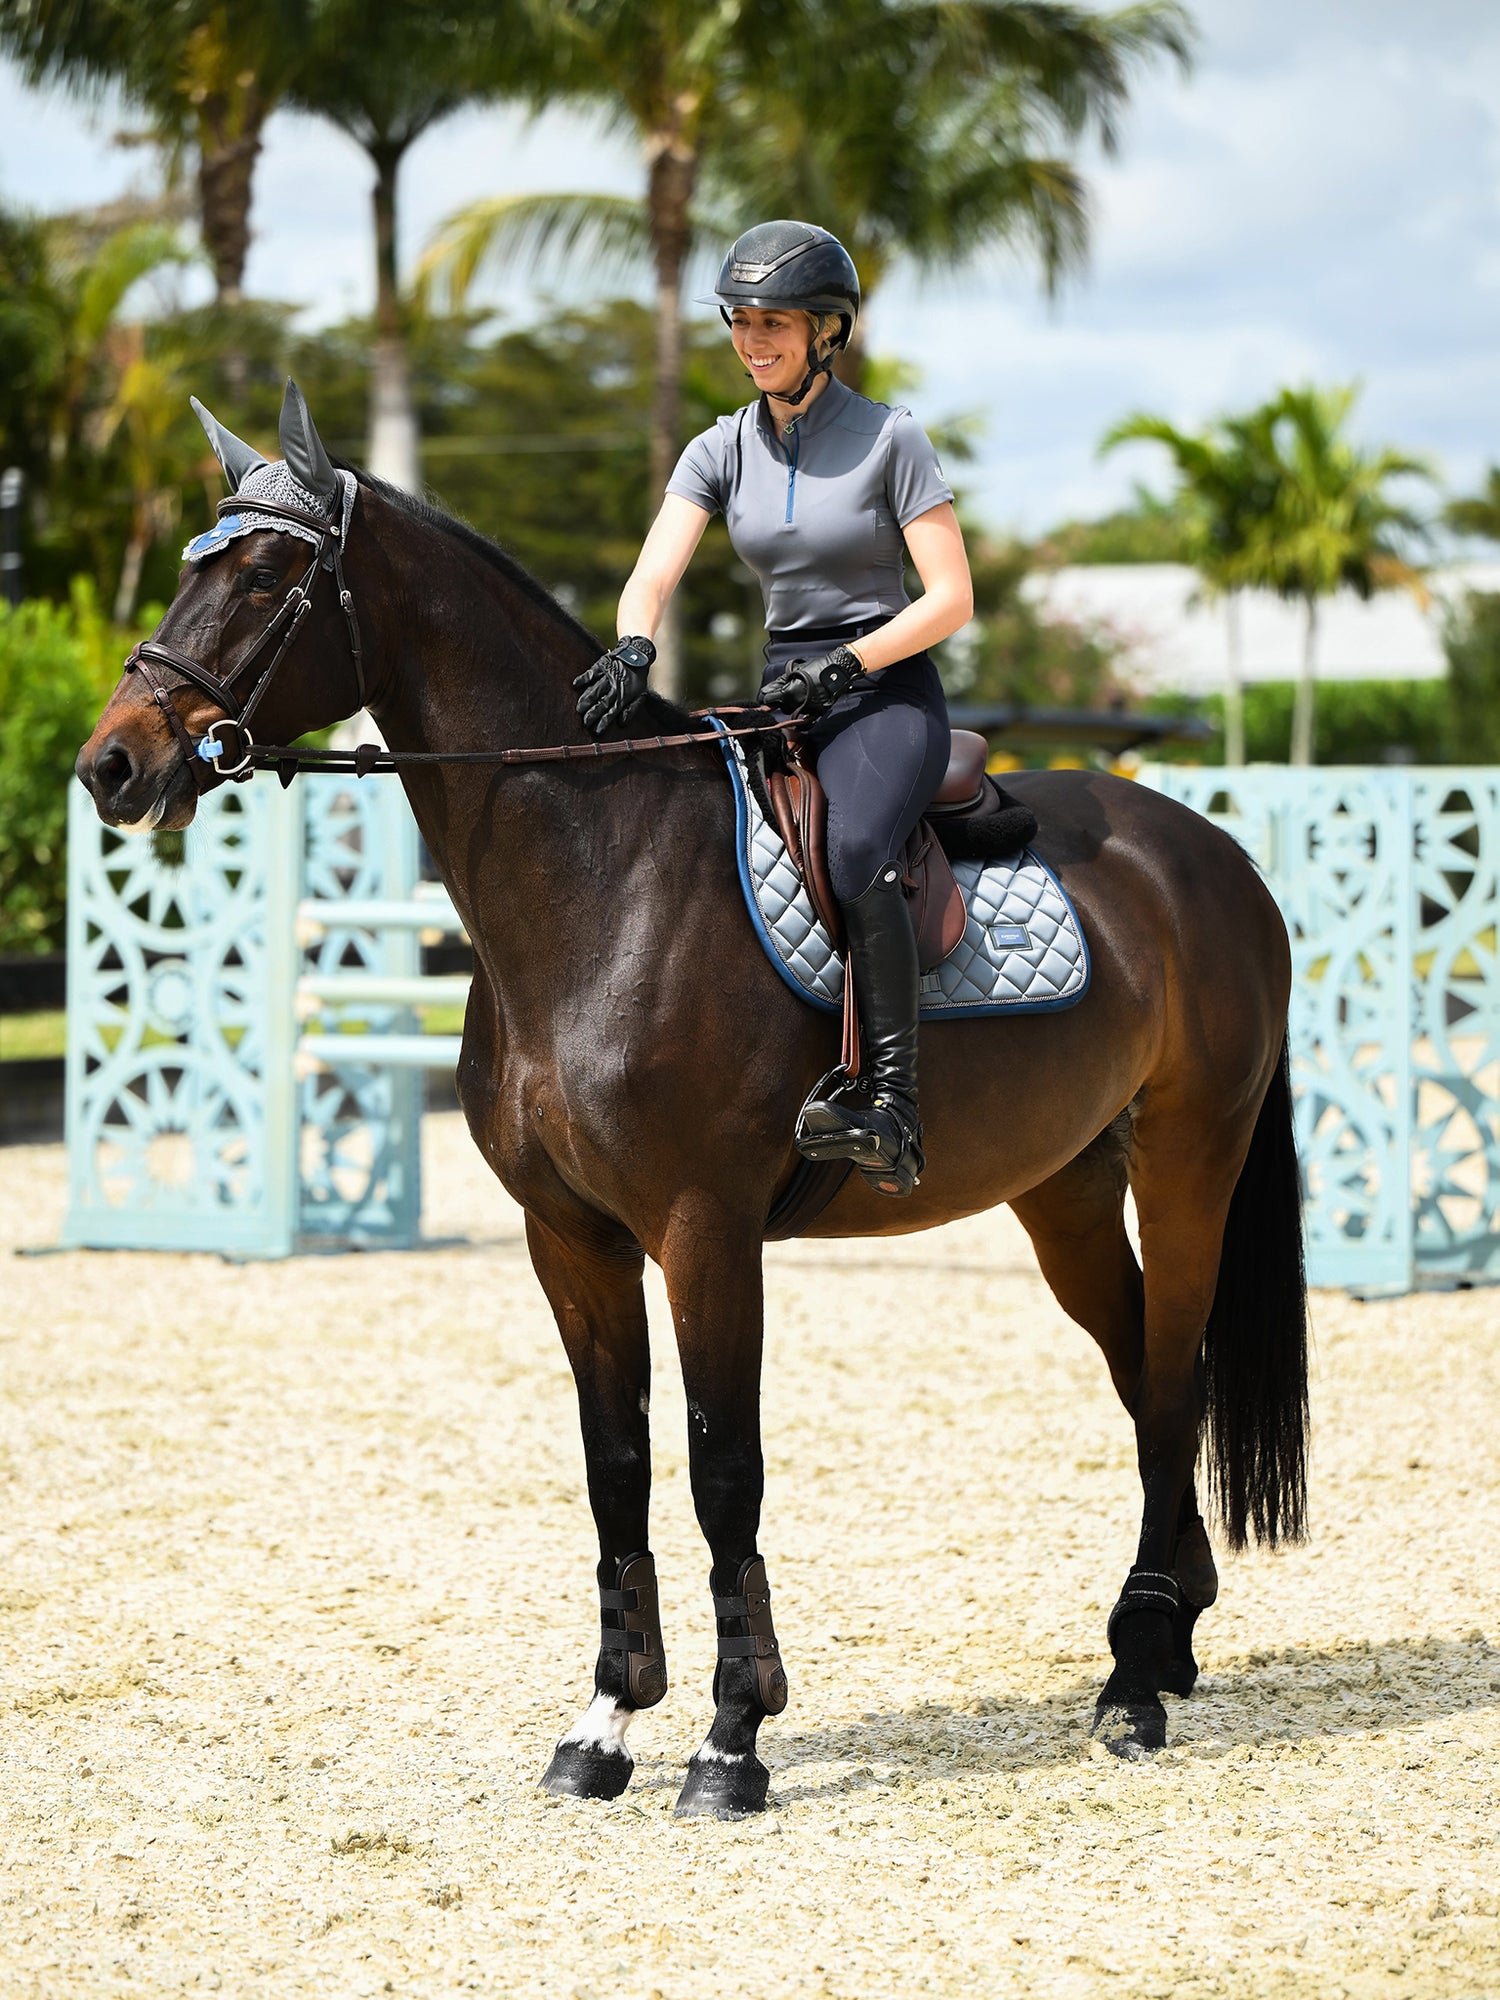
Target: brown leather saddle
x=801, y=808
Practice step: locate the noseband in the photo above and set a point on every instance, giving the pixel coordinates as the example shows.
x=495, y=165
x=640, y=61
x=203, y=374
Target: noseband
x=210, y=759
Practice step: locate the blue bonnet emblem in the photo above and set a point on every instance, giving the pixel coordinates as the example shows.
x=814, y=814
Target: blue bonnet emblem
x=215, y=538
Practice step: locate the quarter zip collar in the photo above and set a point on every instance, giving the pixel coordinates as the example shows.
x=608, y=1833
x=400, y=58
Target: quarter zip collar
x=806, y=423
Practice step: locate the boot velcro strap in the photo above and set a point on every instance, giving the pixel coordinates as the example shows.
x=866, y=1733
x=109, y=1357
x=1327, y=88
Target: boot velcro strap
x=613, y=1640
x=758, y=1646
x=1145, y=1590
x=619, y=1600
x=749, y=1606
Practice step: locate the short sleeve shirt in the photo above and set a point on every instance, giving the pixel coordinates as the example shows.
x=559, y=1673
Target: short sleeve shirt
x=818, y=515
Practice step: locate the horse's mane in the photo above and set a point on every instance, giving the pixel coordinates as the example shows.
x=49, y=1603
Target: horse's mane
x=666, y=715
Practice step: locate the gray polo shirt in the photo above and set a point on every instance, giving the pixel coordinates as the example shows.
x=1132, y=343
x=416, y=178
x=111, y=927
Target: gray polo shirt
x=818, y=515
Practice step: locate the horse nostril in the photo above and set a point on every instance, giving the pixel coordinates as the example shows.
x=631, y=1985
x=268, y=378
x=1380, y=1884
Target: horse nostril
x=113, y=769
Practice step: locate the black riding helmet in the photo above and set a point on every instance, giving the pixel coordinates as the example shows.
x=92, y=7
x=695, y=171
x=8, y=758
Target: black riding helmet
x=798, y=266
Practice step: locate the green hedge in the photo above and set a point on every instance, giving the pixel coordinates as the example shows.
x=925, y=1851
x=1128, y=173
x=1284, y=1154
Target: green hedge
x=57, y=665
x=1359, y=722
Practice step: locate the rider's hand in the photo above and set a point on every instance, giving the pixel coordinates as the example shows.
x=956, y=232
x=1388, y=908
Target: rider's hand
x=613, y=688
x=809, y=688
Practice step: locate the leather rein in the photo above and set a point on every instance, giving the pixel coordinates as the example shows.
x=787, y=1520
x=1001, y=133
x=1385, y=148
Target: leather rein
x=211, y=759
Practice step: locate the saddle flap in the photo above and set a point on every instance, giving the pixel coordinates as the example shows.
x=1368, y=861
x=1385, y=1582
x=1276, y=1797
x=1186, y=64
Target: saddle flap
x=937, y=904
x=801, y=809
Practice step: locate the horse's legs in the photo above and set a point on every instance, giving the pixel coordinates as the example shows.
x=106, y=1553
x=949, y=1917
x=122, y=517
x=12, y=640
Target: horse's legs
x=593, y=1284
x=1076, y=1222
x=712, y=1265
x=1183, y=1176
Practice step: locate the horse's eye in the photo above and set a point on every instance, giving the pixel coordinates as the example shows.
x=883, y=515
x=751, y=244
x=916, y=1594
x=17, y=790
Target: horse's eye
x=263, y=579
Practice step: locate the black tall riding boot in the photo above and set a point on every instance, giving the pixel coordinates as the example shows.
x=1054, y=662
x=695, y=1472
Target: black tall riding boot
x=872, y=1118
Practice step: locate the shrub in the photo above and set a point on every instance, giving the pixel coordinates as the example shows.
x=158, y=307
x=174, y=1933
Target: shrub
x=1472, y=643
x=57, y=663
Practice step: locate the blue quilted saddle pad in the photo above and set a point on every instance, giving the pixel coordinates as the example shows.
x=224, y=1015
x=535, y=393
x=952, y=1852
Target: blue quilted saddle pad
x=1022, y=951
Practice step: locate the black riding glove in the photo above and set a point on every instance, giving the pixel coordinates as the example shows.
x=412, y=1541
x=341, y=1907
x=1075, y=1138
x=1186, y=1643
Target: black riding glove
x=809, y=688
x=613, y=688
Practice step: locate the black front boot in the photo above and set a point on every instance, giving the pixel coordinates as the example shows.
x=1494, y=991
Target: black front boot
x=872, y=1118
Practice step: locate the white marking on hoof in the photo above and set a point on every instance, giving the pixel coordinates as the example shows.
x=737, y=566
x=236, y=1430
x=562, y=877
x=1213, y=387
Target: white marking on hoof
x=602, y=1727
x=712, y=1754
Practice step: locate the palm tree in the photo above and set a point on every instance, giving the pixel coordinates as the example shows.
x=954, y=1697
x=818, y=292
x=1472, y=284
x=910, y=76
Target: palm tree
x=666, y=70
x=385, y=75
x=1332, y=526
x=206, y=73
x=1226, y=486
x=952, y=131
x=904, y=128
x=1479, y=514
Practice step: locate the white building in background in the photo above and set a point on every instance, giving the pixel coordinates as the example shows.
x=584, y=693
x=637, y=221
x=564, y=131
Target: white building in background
x=1176, y=644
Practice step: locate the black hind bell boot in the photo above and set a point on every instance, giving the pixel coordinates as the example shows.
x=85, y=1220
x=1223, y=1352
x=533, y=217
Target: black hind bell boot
x=872, y=1119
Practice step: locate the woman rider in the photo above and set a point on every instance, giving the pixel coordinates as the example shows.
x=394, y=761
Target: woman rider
x=824, y=492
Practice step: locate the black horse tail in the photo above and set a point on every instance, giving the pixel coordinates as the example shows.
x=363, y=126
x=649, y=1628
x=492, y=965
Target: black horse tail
x=1255, y=1345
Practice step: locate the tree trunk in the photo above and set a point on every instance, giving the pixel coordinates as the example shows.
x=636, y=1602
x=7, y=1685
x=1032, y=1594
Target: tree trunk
x=136, y=546
x=226, y=171
x=230, y=109
x=672, y=174
x=1304, y=712
x=1234, y=682
x=393, y=421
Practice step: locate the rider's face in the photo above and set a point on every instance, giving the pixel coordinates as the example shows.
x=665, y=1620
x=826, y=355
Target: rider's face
x=772, y=342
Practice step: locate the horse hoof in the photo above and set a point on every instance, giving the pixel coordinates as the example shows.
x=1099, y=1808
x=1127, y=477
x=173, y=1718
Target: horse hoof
x=723, y=1785
x=581, y=1771
x=1131, y=1729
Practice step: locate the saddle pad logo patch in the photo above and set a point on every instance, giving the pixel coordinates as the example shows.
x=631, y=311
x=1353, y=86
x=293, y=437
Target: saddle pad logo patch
x=1022, y=951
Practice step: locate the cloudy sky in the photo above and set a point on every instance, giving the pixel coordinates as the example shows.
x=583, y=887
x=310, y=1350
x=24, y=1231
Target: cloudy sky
x=1321, y=199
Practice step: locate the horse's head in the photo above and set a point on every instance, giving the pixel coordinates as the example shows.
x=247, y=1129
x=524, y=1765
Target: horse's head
x=261, y=629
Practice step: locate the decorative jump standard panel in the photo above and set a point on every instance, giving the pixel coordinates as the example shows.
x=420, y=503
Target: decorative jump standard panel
x=211, y=1101
x=1388, y=883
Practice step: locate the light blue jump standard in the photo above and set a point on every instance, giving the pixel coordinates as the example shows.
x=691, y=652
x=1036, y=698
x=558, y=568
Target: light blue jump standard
x=215, y=1101
x=1389, y=881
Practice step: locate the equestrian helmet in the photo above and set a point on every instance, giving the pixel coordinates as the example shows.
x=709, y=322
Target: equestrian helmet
x=791, y=264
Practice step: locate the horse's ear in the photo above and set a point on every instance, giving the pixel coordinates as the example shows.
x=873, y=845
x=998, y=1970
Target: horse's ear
x=302, y=448
x=237, y=458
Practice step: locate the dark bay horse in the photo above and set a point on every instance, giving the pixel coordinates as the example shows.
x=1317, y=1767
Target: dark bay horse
x=632, y=1068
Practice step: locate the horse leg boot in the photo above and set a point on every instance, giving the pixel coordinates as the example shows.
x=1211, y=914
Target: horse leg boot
x=872, y=1119
x=711, y=1258
x=594, y=1289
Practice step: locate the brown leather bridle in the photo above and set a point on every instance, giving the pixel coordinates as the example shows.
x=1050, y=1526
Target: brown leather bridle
x=206, y=756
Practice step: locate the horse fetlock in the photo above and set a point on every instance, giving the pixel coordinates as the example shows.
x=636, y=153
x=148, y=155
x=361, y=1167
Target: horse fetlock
x=630, y=1633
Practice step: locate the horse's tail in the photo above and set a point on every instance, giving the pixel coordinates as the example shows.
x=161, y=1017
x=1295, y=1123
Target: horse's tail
x=1255, y=1345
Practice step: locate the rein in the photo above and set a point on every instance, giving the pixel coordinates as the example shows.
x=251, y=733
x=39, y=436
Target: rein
x=205, y=757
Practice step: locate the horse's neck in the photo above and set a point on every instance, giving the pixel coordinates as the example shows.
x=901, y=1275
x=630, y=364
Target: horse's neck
x=478, y=663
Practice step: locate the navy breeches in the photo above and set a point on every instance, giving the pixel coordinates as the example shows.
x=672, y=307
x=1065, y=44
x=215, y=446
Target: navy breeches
x=882, y=752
